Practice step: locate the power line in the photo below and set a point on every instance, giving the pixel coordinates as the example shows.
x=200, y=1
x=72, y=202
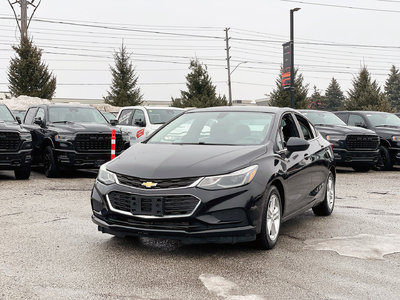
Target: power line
x=343, y=6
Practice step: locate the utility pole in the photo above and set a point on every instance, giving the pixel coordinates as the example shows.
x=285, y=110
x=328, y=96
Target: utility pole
x=24, y=18
x=228, y=63
x=292, y=104
x=22, y=21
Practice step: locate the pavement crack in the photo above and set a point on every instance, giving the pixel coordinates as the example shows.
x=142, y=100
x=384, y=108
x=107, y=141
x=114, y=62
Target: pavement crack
x=12, y=214
x=55, y=220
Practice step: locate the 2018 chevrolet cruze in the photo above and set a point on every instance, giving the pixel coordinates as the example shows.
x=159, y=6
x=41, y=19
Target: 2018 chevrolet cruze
x=223, y=175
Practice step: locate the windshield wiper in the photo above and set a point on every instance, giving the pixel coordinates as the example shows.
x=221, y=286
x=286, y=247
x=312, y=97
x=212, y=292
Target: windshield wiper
x=63, y=122
x=385, y=125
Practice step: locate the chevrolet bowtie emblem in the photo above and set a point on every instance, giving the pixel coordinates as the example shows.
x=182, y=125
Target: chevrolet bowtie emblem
x=149, y=184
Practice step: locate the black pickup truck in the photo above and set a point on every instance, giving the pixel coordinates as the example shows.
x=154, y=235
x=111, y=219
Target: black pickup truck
x=352, y=146
x=386, y=126
x=15, y=145
x=71, y=137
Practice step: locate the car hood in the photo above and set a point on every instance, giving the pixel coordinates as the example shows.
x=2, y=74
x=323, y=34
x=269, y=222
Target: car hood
x=11, y=126
x=158, y=161
x=83, y=128
x=343, y=130
x=387, y=131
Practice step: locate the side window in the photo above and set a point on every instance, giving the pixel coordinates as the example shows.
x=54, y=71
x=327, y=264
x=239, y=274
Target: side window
x=138, y=115
x=305, y=128
x=288, y=128
x=40, y=114
x=29, y=115
x=356, y=120
x=125, y=116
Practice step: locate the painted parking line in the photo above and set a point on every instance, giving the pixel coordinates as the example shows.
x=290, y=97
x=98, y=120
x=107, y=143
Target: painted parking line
x=224, y=288
x=364, y=246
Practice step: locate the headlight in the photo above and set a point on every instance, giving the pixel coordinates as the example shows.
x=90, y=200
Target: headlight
x=26, y=136
x=396, y=138
x=63, y=137
x=335, y=138
x=231, y=180
x=105, y=176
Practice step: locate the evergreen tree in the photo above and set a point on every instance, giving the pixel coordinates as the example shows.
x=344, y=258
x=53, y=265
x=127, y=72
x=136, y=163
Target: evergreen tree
x=316, y=100
x=28, y=75
x=200, y=90
x=281, y=98
x=392, y=88
x=334, y=96
x=366, y=94
x=124, y=90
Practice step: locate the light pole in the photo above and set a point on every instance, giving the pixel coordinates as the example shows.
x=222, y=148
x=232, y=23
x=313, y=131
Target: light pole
x=292, y=56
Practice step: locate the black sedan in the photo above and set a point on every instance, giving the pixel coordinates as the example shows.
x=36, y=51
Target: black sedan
x=222, y=175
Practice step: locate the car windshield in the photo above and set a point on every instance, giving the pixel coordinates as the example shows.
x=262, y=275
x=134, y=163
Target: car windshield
x=76, y=114
x=5, y=114
x=381, y=119
x=161, y=116
x=216, y=128
x=323, y=118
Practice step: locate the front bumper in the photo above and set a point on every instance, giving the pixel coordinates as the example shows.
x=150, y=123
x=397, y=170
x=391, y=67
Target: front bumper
x=72, y=159
x=345, y=157
x=395, y=154
x=224, y=216
x=15, y=160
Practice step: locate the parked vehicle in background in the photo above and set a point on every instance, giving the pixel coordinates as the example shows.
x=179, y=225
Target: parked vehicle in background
x=71, y=137
x=352, y=146
x=386, y=126
x=15, y=145
x=397, y=114
x=19, y=113
x=141, y=121
x=255, y=168
x=109, y=116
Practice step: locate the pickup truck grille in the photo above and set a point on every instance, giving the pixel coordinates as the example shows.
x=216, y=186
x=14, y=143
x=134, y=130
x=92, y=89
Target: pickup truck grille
x=9, y=141
x=176, y=205
x=168, y=183
x=97, y=142
x=362, y=142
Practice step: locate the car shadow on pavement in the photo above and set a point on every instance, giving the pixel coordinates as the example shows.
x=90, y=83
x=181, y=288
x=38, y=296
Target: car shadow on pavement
x=69, y=173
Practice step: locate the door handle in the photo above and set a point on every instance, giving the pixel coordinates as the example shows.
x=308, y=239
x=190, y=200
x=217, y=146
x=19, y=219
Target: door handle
x=306, y=156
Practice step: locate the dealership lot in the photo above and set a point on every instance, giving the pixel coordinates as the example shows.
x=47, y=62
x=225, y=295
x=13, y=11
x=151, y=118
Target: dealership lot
x=51, y=249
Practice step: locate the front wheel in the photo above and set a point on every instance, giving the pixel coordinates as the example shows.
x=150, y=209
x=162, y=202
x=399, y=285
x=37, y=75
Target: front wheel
x=384, y=160
x=325, y=208
x=22, y=173
x=50, y=167
x=271, y=220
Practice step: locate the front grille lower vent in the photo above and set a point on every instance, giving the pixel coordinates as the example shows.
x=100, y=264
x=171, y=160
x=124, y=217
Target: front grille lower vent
x=176, y=205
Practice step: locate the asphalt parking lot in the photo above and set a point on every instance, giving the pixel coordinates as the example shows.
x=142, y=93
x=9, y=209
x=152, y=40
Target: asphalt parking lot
x=50, y=249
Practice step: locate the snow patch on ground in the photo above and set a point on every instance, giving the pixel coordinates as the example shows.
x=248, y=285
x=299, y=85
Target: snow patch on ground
x=364, y=246
x=224, y=288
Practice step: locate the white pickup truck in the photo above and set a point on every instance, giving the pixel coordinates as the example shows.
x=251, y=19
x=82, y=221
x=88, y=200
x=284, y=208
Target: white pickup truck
x=140, y=121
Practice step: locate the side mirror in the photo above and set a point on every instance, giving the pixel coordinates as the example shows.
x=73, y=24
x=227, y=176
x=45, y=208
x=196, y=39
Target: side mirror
x=361, y=125
x=38, y=121
x=140, y=123
x=18, y=120
x=295, y=144
x=114, y=122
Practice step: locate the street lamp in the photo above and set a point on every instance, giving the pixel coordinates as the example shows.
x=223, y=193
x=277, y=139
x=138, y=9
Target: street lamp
x=292, y=56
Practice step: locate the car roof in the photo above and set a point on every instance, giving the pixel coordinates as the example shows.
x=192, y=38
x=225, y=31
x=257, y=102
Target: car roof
x=314, y=110
x=151, y=107
x=362, y=111
x=268, y=109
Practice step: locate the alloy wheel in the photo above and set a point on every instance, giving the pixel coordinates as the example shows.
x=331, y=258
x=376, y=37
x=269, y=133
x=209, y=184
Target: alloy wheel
x=273, y=217
x=330, y=192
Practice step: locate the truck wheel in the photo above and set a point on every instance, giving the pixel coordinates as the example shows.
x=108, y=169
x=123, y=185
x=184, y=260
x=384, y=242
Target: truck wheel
x=384, y=160
x=271, y=220
x=50, y=167
x=325, y=208
x=22, y=173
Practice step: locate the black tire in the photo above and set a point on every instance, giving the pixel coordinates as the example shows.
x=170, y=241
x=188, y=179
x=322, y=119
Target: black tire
x=325, y=208
x=267, y=238
x=50, y=166
x=22, y=173
x=362, y=168
x=384, y=160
